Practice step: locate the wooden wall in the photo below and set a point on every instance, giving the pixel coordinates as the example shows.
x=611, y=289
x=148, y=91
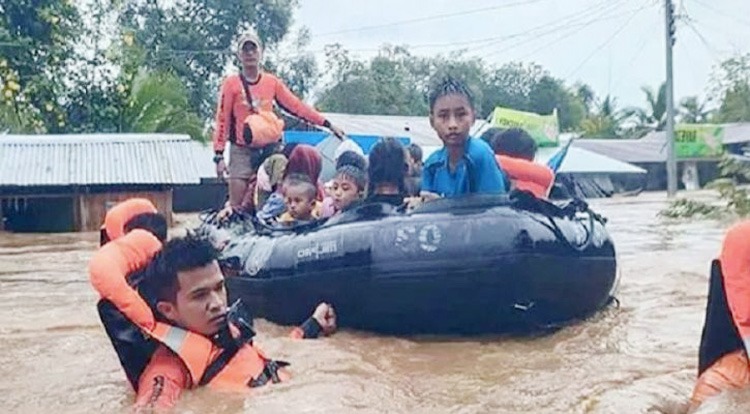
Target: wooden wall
x=91, y=208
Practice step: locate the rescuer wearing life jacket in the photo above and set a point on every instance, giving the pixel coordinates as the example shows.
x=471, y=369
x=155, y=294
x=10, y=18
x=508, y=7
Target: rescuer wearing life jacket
x=514, y=151
x=192, y=338
x=723, y=362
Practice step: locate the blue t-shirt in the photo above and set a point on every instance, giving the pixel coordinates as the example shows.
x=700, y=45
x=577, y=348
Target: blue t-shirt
x=476, y=173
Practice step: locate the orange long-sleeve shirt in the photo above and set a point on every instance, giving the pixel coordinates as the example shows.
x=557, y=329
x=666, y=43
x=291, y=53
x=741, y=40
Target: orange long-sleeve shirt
x=264, y=92
x=735, y=266
x=165, y=376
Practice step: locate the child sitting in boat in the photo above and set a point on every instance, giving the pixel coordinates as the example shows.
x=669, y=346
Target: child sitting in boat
x=349, y=185
x=358, y=166
x=300, y=200
x=464, y=165
x=303, y=160
x=387, y=170
x=515, y=150
x=413, y=180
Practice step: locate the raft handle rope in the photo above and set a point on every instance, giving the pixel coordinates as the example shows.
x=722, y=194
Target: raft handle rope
x=552, y=211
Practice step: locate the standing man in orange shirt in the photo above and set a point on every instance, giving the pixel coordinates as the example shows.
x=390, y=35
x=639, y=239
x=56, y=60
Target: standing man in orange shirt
x=245, y=118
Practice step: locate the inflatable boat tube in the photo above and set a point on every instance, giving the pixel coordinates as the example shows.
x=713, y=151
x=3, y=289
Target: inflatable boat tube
x=476, y=265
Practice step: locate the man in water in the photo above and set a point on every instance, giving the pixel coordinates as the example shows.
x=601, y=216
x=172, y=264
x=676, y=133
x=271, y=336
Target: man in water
x=169, y=319
x=725, y=343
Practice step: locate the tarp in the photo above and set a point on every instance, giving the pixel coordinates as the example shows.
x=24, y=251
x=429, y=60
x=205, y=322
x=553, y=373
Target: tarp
x=544, y=129
x=328, y=145
x=366, y=142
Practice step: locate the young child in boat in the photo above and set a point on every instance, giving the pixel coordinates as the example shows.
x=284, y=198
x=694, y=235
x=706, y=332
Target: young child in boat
x=300, y=200
x=387, y=170
x=349, y=185
x=515, y=151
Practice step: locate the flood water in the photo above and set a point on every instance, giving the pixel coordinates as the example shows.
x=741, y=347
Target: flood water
x=639, y=357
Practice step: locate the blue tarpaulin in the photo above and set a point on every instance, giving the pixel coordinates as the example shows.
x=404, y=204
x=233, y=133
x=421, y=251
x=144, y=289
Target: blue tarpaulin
x=366, y=142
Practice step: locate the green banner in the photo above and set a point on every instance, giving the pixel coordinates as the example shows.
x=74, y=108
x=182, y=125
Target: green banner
x=543, y=128
x=698, y=140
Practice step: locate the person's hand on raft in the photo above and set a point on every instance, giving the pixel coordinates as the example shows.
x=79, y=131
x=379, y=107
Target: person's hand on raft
x=340, y=134
x=221, y=170
x=326, y=317
x=225, y=212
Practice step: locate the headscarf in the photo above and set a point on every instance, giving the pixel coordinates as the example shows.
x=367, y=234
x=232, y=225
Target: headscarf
x=305, y=160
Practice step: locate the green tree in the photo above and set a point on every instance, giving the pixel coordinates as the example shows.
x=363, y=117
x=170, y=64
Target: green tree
x=692, y=111
x=194, y=38
x=158, y=102
x=298, y=68
x=36, y=50
x=651, y=118
x=731, y=87
x=586, y=95
x=549, y=94
x=736, y=104
x=511, y=84
x=605, y=123
x=392, y=83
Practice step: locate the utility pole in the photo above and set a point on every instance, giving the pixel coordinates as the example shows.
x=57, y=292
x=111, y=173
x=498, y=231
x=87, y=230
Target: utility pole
x=671, y=157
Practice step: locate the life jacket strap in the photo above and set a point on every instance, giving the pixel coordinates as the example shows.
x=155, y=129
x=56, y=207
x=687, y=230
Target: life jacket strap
x=270, y=373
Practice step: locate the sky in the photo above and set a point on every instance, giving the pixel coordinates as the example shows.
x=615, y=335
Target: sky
x=616, y=46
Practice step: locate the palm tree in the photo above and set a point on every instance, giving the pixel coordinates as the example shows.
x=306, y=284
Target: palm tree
x=653, y=117
x=604, y=124
x=159, y=102
x=693, y=111
x=586, y=95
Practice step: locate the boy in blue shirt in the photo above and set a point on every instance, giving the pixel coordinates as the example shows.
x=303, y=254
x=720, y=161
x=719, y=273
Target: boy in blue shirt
x=464, y=165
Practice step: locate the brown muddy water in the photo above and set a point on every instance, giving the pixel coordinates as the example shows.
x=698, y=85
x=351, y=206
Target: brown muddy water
x=638, y=358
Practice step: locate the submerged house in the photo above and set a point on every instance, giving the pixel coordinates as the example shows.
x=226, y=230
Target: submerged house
x=650, y=153
x=65, y=183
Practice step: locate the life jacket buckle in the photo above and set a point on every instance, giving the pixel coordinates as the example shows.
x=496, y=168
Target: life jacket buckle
x=238, y=317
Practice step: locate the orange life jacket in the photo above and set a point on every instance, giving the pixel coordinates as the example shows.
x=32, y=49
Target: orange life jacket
x=527, y=175
x=120, y=214
x=206, y=363
x=727, y=324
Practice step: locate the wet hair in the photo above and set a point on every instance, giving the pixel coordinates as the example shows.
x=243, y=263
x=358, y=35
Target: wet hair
x=415, y=152
x=351, y=158
x=178, y=255
x=303, y=182
x=154, y=223
x=354, y=174
x=449, y=86
x=387, y=165
x=516, y=143
x=489, y=136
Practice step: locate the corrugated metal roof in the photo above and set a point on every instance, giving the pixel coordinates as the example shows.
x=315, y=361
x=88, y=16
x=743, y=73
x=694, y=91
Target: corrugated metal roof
x=582, y=161
x=651, y=148
x=736, y=133
x=98, y=159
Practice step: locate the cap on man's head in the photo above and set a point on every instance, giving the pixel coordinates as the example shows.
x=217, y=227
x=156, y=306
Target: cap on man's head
x=249, y=36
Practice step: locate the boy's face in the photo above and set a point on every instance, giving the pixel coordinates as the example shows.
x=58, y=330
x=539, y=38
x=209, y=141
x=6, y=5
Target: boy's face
x=299, y=204
x=345, y=192
x=452, y=117
x=201, y=301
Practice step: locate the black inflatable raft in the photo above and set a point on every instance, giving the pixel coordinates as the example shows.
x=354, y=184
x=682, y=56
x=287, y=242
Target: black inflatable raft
x=482, y=264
